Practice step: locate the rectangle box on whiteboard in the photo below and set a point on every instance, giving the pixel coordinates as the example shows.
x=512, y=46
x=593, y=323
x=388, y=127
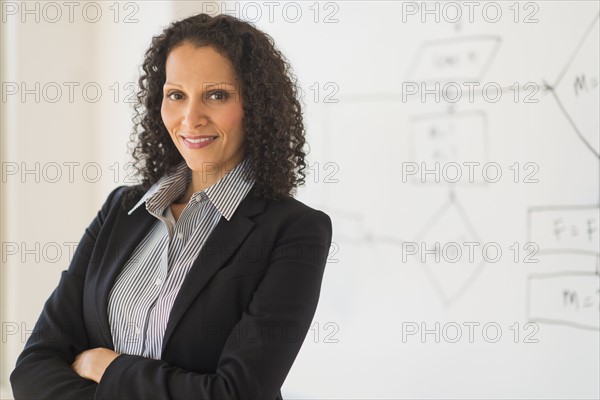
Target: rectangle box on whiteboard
x=565, y=298
x=443, y=138
x=565, y=228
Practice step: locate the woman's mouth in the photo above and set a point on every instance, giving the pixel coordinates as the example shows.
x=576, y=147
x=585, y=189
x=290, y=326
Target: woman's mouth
x=198, y=142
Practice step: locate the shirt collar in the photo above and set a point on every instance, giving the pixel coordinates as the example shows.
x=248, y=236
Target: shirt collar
x=226, y=194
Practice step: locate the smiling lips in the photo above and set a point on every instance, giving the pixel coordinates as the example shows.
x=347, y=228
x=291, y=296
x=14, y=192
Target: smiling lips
x=198, y=142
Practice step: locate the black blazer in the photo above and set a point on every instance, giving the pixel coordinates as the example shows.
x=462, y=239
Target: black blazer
x=235, y=328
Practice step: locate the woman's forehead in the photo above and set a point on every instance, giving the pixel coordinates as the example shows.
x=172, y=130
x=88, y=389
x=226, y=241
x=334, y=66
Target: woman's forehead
x=191, y=63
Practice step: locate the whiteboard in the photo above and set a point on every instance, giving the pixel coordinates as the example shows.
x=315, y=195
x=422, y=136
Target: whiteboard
x=458, y=160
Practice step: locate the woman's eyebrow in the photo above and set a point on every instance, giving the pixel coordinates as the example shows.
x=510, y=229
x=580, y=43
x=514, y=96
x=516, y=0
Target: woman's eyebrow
x=211, y=84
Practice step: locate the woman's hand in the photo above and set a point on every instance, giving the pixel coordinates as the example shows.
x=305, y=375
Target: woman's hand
x=92, y=363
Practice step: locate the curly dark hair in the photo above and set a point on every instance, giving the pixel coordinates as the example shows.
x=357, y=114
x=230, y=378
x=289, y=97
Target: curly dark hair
x=272, y=122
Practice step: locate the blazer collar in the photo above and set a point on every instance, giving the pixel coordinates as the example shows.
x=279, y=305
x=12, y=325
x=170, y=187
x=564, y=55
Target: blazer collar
x=171, y=186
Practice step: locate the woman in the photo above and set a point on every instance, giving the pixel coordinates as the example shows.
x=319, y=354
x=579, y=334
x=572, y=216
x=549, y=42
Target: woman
x=202, y=281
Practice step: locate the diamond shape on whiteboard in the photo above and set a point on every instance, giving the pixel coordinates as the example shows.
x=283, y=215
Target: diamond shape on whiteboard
x=577, y=89
x=450, y=225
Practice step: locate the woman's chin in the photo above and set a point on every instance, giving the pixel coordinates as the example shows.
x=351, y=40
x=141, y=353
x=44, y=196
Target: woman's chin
x=202, y=165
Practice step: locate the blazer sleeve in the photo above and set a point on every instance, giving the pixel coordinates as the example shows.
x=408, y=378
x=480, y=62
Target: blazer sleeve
x=251, y=366
x=43, y=369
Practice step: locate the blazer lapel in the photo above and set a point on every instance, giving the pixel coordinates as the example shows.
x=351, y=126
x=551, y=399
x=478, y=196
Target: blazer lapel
x=220, y=245
x=130, y=230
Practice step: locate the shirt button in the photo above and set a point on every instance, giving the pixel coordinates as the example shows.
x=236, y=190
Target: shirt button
x=158, y=281
x=180, y=236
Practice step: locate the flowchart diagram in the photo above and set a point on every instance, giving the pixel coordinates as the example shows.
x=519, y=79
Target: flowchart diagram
x=440, y=137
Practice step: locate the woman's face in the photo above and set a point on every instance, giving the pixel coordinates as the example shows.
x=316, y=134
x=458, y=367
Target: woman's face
x=202, y=109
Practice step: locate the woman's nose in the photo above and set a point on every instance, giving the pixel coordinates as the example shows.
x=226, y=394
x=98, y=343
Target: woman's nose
x=195, y=115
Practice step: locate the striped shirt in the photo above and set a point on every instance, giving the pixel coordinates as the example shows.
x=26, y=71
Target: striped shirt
x=141, y=299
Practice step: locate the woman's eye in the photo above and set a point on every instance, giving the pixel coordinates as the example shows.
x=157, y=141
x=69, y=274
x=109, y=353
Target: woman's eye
x=174, y=95
x=218, y=95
